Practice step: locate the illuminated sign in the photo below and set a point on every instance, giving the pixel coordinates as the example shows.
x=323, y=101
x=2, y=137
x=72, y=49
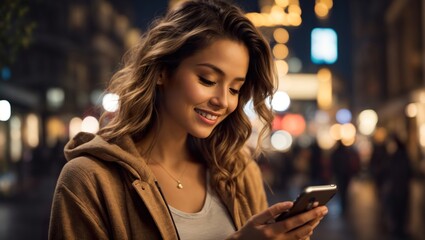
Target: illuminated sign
x=324, y=46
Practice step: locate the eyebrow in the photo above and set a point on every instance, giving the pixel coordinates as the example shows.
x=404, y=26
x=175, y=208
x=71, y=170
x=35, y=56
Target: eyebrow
x=218, y=70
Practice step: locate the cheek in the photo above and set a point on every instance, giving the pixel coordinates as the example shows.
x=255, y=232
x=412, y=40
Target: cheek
x=178, y=87
x=233, y=104
x=195, y=93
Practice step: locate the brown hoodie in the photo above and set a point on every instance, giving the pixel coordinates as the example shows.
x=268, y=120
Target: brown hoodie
x=106, y=191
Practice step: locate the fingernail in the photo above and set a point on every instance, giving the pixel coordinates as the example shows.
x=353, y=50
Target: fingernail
x=325, y=211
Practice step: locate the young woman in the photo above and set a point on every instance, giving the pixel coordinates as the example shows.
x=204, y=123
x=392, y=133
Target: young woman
x=171, y=162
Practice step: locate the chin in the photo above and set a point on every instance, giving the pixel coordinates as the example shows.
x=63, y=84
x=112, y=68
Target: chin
x=201, y=134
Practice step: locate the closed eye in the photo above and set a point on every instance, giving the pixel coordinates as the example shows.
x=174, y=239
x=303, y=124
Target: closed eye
x=234, y=91
x=206, y=81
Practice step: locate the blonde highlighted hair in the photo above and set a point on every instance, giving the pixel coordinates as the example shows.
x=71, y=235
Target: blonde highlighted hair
x=183, y=31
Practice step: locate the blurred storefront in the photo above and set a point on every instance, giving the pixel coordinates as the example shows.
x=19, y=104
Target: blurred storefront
x=388, y=68
x=60, y=76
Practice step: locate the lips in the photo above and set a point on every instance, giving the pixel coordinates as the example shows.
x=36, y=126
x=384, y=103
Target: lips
x=207, y=115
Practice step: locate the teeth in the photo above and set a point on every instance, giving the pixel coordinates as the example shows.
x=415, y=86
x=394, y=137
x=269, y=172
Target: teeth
x=207, y=115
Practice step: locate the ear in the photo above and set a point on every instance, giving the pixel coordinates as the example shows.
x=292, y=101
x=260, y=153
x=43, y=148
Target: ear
x=161, y=79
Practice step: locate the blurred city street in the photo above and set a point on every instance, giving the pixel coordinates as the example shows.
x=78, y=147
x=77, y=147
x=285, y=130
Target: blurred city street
x=349, y=108
x=363, y=221
x=26, y=217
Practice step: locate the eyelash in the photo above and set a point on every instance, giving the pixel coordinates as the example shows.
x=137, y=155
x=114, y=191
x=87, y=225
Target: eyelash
x=234, y=91
x=206, y=81
x=211, y=83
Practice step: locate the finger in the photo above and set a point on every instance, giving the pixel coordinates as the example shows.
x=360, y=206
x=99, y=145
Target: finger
x=271, y=212
x=303, y=232
x=307, y=238
x=315, y=222
x=301, y=219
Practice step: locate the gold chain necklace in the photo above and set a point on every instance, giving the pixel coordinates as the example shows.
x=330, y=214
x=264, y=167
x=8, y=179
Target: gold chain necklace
x=179, y=184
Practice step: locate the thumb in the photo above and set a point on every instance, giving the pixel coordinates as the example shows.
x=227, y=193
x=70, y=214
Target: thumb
x=270, y=213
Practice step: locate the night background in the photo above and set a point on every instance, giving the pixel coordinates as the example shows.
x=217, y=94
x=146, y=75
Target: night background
x=356, y=118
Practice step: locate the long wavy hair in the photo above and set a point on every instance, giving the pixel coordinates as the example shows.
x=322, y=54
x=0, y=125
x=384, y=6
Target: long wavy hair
x=183, y=31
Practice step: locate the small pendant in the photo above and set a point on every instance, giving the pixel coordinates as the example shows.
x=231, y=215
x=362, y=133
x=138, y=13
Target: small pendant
x=179, y=185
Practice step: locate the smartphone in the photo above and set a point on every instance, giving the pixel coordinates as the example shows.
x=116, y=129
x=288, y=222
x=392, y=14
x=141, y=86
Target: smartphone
x=305, y=201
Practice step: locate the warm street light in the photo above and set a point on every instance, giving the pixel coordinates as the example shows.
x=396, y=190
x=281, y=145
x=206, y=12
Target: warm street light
x=5, y=110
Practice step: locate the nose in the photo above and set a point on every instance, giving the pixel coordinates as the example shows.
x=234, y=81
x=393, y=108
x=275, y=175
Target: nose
x=220, y=98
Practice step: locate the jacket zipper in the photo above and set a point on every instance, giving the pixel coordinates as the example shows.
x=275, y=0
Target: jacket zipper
x=168, y=208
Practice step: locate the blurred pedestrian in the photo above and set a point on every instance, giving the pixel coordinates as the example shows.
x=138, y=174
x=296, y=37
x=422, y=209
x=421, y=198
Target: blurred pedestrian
x=172, y=163
x=396, y=187
x=345, y=162
x=40, y=161
x=316, y=164
x=378, y=159
x=57, y=158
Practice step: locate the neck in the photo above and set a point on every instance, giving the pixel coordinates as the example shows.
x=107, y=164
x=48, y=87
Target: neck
x=168, y=148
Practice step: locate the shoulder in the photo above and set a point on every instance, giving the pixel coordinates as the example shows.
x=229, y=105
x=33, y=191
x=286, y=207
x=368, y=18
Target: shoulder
x=252, y=173
x=252, y=169
x=252, y=187
x=86, y=165
x=86, y=171
x=250, y=176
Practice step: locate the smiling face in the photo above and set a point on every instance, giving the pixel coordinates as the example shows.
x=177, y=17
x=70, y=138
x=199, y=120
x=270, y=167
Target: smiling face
x=203, y=90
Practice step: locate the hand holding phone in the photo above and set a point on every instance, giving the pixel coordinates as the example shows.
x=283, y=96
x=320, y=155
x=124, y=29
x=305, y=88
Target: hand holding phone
x=305, y=201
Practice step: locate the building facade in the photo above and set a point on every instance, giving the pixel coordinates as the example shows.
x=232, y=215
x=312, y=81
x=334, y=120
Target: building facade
x=76, y=46
x=388, y=67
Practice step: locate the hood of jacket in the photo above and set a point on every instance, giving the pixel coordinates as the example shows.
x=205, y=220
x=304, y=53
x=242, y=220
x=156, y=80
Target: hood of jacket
x=122, y=152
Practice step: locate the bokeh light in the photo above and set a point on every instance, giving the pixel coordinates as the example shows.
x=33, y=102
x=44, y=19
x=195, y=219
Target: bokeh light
x=324, y=138
x=367, y=121
x=335, y=131
x=348, y=134
x=293, y=123
x=5, y=110
x=110, y=102
x=32, y=130
x=281, y=35
x=75, y=126
x=15, y=138
x=55, y=97
x=281, y=101
x=90, y=125
x=412, y=110
x=343, y=116
x=281, y=140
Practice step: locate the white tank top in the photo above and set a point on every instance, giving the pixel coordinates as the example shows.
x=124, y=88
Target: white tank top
x=212, y=222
